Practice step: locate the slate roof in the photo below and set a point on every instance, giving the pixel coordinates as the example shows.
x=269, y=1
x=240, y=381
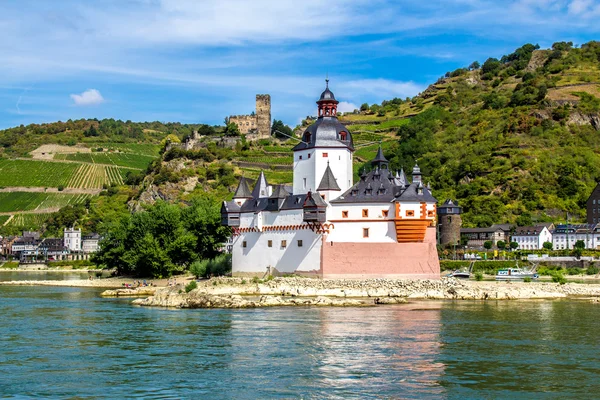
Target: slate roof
x=242, y=191
x=328, y=182
x=528, y=230
x=325, y=132
x=261, y=187
x=379, y=158
x=379, y=186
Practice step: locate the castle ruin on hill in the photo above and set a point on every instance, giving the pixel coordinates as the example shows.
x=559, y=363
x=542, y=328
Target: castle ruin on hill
x=258, y=124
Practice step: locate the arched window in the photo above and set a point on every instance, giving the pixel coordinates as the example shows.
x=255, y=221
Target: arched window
x=343, y=135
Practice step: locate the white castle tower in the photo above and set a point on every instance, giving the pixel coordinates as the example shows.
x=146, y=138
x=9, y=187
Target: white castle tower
x=323, y=160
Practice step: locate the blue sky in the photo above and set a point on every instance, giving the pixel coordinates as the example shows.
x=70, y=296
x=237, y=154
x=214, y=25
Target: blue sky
x=197, y=61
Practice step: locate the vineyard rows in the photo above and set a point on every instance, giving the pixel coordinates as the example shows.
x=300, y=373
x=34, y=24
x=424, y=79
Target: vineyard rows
x=29, y=220
x=91, y=176
x=120, y=159
x=146, y=149
x=35, y=173
x=26, y=201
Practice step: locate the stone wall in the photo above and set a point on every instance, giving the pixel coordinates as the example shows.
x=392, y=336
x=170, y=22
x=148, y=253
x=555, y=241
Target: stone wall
x=449, y=229
x=245, y=123
x=256, y=126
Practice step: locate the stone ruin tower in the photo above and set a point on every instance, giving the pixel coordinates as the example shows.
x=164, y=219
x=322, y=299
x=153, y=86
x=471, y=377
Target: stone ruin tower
x=449, y=223
x=263, y=116
x=258, y=125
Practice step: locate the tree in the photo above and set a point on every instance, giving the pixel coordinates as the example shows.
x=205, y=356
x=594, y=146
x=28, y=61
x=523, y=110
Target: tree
x=514, y=245
x=364, y=107
x=278, y=128
x=474, y=65
x=501, y=244
x=547, y=245
x=580, y=244
x=488, y=244
x=232, y=129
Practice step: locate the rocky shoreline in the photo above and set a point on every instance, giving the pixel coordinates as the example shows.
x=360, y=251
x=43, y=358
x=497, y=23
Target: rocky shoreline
x=238, y=293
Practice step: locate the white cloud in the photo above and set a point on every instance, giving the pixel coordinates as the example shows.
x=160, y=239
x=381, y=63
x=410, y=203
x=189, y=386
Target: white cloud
x=579, y=6
x=345, y=106
x=90, y=97
x=380, y=88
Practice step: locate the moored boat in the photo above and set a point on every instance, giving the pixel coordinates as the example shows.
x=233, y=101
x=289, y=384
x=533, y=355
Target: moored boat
x=514, y=274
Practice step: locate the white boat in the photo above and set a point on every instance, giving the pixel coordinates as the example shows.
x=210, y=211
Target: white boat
x=515, y=274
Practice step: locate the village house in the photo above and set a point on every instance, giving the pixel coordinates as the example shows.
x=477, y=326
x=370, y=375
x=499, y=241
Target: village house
x=326, y=225
x=91, y=243
x=566, y=235
x=531, y=237
x=476, y=237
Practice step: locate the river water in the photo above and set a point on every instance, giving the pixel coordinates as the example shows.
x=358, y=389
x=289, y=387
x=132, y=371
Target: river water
x=71, y=343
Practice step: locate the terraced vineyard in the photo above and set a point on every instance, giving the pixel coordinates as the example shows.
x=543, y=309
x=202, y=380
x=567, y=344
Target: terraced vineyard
x=26, y=201
x=137, y=161
x=28, y=220
x=91, y=176
x=35, y=173
x=145, y=149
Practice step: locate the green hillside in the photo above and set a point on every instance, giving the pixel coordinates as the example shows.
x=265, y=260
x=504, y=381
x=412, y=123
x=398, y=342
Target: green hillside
x=513, y=140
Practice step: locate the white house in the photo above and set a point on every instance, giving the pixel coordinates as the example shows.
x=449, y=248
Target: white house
x=90, y=243
x=325, y=224
x=565, y=236
x=72, y=238
x=531, y=237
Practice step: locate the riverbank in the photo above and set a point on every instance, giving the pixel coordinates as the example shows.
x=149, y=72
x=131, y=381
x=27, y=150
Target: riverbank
x=239, y=293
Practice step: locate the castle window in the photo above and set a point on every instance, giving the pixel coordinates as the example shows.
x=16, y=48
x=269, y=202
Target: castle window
x=365, y=213
x=430, y=213
x=410, y=213
x=325, y=155
x=299, y=243
x=308, y=155
x=365, y=232
x=304, y=182
x=283, y=244
x=270, y=243
x=323, y=196
x=344, y=214
x=299, y=157
x=244, y=244
x=384, y=213
x=343, y=135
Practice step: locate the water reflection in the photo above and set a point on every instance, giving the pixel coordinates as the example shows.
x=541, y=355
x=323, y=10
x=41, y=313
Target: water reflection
x=15, y=275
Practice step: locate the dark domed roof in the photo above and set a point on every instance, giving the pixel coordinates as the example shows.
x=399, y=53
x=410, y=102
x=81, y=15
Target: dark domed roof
x=325, y=132
x=327, y=94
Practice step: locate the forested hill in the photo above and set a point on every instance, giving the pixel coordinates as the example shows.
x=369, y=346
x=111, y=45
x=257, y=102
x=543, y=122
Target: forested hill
x=513, y=140
x=20, y=140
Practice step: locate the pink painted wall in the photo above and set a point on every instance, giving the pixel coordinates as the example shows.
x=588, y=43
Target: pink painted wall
x=382, y=260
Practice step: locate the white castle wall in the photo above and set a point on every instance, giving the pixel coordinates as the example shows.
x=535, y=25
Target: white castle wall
x=313, y=168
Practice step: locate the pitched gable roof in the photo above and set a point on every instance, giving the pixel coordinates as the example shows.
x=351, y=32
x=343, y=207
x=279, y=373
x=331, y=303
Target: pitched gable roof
x=328, y=182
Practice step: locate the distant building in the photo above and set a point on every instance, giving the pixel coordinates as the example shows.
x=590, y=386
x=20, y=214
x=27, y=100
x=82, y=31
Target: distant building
x=565, y=236
x=476, y=237
x=73, y=239
x=506, y=229
x=258, y=124
x=90, y=243
x=449, y=223
x=531, y=237
x=593, y=206
x=53, y=249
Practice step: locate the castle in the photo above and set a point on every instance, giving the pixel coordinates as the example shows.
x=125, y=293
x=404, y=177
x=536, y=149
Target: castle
x=257, y=125
x=326, y=225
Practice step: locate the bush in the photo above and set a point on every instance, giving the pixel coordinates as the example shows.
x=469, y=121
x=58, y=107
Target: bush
x=592, y=270
x=220, y=265
x=191, y=286
x=558, y=277
x=61, y=188
x=199, y=268
x=527, y=279
x=478, y=276
x=574, y=271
